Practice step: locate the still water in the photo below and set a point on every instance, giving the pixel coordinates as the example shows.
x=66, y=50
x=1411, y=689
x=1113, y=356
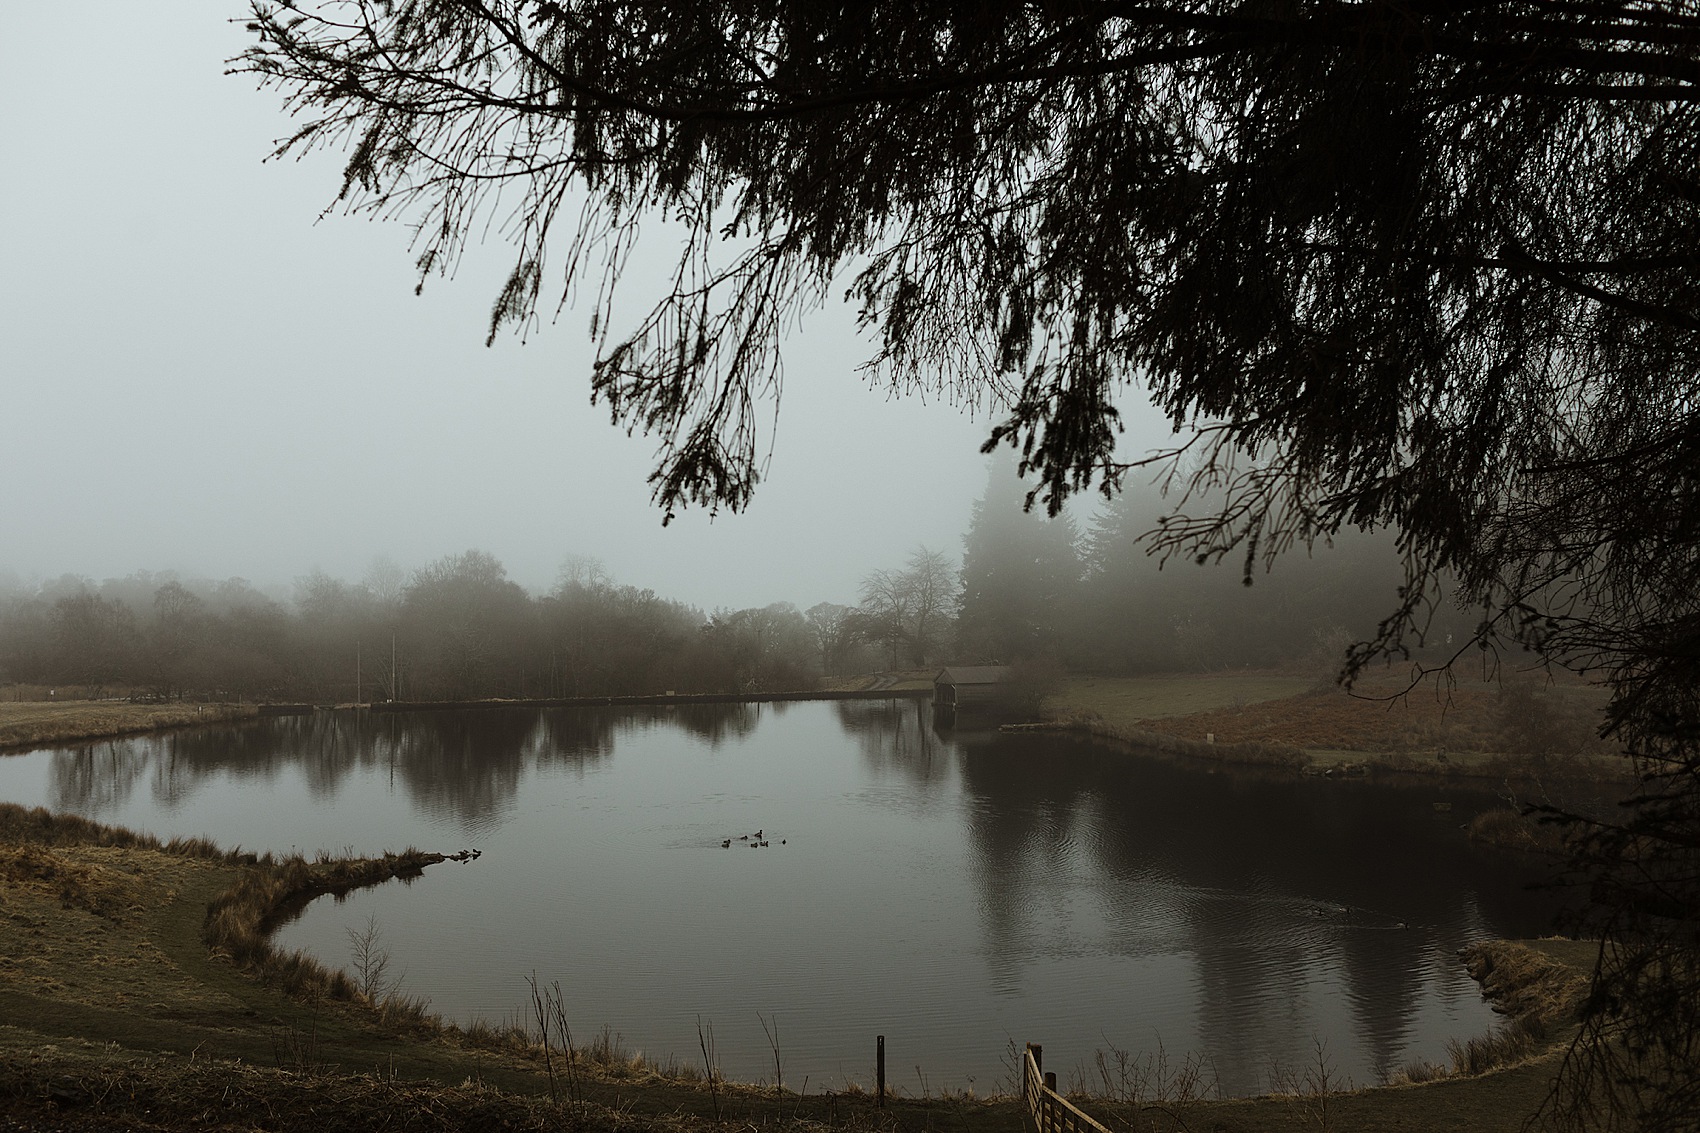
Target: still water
x=951, y=889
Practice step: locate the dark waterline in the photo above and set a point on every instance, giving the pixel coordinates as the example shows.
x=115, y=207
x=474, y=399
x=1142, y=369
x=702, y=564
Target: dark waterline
x=951, y=889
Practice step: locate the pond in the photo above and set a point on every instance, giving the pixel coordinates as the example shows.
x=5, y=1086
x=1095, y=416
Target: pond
x=953, y=889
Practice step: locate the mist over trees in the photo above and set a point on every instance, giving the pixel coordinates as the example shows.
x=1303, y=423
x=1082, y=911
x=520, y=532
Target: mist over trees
x=456, y=628
x=1102, y=600
x=1085, y=596
x=1020, y=575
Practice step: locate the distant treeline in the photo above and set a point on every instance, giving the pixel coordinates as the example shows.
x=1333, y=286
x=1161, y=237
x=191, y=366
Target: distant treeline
x=458, y=628
x=1027, y=588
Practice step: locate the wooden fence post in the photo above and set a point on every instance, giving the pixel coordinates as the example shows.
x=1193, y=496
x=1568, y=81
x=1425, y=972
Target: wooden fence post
x=879, y=1068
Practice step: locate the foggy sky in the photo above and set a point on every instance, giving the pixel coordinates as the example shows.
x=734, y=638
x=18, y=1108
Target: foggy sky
x=198, y=373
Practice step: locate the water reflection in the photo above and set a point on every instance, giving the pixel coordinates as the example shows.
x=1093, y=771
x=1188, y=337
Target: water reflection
x=469, y=764
x=897, y=736
x=1266, y=883
x=716, y=723
x=959, y=884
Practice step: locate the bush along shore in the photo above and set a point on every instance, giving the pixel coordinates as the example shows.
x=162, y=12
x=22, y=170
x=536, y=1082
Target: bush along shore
x=139, y=989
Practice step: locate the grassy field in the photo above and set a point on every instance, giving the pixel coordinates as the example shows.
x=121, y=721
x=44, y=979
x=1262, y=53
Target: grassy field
x=117, y=1013
x=1140, y=700
x=39, y=723
x=1469, y=729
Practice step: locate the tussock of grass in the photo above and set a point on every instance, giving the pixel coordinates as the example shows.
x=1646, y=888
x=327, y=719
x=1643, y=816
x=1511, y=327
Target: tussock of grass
x=105, y=892
x=1527, y=986
x=1417, y=1071
x=39, y=826
x=1506, y=1045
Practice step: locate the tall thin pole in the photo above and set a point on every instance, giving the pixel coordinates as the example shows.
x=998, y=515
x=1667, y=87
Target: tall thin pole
x=356, y=670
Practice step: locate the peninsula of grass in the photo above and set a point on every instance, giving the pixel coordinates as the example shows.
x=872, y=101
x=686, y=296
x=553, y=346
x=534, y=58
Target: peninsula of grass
x=139, y=989
x=1476, y=730
x=47, y=723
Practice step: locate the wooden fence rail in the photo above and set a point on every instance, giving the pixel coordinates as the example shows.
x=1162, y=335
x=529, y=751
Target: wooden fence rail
x=1051, y=1112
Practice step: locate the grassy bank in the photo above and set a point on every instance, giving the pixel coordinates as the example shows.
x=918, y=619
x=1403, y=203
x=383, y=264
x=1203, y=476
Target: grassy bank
x=30, y=724
x=1474, y=730
x=138, y=989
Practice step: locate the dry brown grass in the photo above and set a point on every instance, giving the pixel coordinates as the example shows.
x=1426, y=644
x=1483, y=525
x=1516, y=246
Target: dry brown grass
x=39, y=826
x=1247, y=752
x=29, y=724
x=1478, y=730
x=1136, y=701
x=897, y=680
x=75, y=927
x=1525, y=983
x=75, y=884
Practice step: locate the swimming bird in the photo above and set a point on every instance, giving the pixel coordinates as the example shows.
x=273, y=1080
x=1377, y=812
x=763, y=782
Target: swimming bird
x=758, y=833
x=726, y=844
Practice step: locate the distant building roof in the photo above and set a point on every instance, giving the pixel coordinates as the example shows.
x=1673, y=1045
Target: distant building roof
x=973, y=675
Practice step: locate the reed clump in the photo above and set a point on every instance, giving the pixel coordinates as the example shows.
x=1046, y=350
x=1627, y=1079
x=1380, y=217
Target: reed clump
x=1505, y=1045
x=1538, y=995
x=39, y=826
x=1506, y=829
x=1418, y=1071
x=1524, y=984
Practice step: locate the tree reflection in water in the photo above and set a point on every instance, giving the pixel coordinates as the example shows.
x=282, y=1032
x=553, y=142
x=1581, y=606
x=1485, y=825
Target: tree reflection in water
x=1029, y=885
x=1264, y=881
x=896, y=735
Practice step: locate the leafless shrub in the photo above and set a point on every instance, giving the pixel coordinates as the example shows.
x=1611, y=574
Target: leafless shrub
x=1314, y=1087
x=371, y=962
